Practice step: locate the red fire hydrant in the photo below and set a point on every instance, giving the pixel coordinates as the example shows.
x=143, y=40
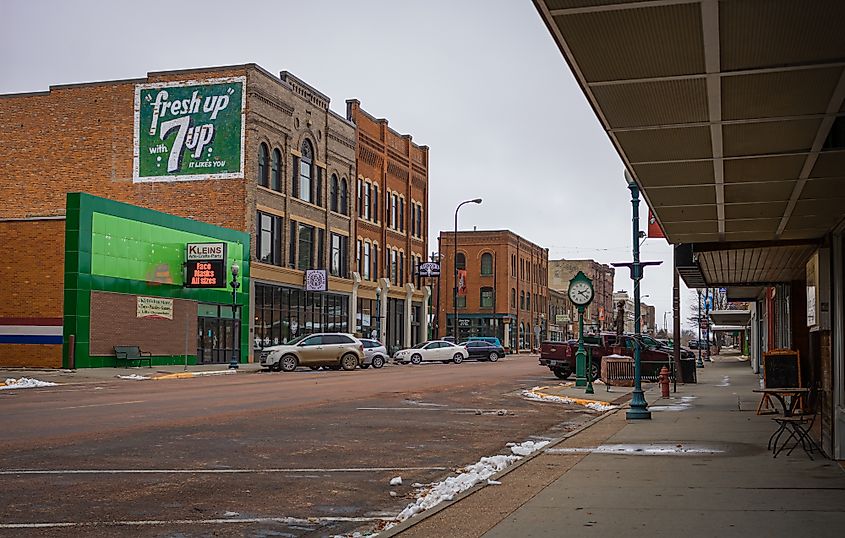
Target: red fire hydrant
x=663, y=380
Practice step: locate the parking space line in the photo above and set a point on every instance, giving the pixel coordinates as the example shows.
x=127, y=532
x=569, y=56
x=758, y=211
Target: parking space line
x=217, y=521
x=7, y=472
x=100, y=405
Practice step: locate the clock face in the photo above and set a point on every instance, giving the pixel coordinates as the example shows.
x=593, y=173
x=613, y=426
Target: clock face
x=580, y=292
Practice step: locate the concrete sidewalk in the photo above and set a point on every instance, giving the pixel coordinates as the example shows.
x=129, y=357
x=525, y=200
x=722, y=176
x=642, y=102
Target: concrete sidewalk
x=700, y=467
x=100, y=375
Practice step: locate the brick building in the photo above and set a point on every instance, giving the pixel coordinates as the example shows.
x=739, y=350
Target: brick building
x=649, y=319
x=391, y=198
x=236, y=147
x=599, y=315
x=504, y=292
x=559, y=318
x=623, y=297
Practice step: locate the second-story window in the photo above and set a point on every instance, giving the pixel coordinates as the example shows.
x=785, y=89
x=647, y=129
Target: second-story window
x=276, y=171
x=306, y=172
x=269, y=238
x=333, y=194
x=263, y=171
x=306, y=247
x=486, y=297
x=393, y=211
x=344, y=197
x=486, y=264
x=366, y=214
x=419, y=221
x=365, y=263
x=461, y=261
x=513, y=297
x=401, y=214
x=374, y=212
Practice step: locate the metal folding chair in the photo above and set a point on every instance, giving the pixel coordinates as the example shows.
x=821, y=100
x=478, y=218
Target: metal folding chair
x=799, y=426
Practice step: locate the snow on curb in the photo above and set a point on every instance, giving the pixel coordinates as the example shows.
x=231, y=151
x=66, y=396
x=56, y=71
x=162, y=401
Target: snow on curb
x=595, y=405
x=25, y=383
x=133, y=377
x=186, y=375
x=433, y=494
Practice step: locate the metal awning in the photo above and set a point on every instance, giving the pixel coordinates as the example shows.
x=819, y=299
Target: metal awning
x=729, y=114
x=737, y=318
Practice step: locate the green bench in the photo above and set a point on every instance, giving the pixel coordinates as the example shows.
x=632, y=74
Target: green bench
x=132, y=353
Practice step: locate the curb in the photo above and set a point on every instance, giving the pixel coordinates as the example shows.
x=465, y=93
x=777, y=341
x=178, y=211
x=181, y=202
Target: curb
x=186, y=375
x=410, y=522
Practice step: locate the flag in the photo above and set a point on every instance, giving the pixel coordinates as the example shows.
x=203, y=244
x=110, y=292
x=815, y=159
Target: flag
x=462, y=282
x=654, y=229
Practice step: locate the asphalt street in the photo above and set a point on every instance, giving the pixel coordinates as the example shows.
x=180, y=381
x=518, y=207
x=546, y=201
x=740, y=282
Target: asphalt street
x=257, y=454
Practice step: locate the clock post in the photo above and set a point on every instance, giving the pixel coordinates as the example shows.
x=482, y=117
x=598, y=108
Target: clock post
x=581, y=294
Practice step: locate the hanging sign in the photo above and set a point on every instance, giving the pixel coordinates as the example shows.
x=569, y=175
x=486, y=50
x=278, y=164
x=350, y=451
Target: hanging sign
x=429, y=269
x=206, y=265
x=654, y=229
x=154, y=308
x=316, y=280
x=462, y=282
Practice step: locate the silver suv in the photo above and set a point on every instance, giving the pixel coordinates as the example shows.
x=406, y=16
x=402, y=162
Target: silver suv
x=330, y=350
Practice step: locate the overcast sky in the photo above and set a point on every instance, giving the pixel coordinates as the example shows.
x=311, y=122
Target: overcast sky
x=479, y=81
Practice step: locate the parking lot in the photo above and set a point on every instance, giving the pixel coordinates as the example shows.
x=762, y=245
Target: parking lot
x=259, y=454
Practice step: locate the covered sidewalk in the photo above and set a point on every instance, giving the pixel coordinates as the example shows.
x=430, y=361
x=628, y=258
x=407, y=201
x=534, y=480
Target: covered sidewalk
x=700, y=467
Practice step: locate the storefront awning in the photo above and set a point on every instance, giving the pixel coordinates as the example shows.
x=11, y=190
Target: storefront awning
x=729, y=115
x=737, y=318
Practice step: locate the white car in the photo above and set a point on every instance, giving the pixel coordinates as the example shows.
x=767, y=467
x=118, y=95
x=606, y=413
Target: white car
x=433, y=350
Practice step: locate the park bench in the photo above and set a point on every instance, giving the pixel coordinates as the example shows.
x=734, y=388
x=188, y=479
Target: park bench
x=132, y=353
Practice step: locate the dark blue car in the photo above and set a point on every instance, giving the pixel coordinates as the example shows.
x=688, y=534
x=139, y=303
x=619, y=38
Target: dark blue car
x=483, y=351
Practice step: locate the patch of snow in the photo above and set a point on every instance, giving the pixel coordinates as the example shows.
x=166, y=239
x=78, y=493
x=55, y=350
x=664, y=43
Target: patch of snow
x=726, y=382
x=493, y=482
x=616, y=356
x=25, y=383
x=447, y=489
x=133, y=377
x=396, y=481
x=595, y=406
x=393, y=494
x=231, y=514
x=684, y=404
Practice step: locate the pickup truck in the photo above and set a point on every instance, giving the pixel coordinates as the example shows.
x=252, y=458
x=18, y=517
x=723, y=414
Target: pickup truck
x=559, y=356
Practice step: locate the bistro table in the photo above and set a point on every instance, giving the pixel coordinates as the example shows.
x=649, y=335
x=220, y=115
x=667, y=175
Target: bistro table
x=788, y=398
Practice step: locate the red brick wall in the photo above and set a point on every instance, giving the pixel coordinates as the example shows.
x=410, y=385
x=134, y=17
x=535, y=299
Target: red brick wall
x=114, y=322
x=32, y=277
x=80, y=138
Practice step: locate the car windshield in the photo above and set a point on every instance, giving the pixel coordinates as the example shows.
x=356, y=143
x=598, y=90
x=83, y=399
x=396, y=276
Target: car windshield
x=420, y=345
x=296, y=340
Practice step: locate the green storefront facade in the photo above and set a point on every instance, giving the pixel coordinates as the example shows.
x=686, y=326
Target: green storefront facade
x=120, y=259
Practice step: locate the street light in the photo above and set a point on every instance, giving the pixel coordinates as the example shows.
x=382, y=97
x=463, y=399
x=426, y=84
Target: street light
x=639, y=407
x=455, y=288
x=233, y=364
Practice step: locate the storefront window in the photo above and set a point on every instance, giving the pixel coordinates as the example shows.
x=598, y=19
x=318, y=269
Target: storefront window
x=283, y=313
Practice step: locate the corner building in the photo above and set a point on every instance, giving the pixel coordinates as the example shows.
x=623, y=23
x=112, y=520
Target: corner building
x=281, y=167
x=506, y=288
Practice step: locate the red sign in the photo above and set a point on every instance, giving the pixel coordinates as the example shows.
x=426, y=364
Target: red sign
x=601, y=313
x=654, y=229
x=462, y=282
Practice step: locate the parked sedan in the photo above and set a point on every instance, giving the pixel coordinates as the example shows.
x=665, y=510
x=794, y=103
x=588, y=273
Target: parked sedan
x=375, y=353
x=484, y=351
x=434, y=350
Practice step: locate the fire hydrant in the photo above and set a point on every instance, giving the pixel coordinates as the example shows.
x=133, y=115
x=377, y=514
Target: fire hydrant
x=663, y=380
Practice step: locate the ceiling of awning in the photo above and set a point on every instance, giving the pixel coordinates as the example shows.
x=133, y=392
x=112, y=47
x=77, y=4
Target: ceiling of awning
x=739, y=318
x=720, y=109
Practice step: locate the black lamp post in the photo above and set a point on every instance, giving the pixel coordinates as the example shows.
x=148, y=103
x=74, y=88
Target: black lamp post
x=455, y=288
x=233, y=364
x=377, y=330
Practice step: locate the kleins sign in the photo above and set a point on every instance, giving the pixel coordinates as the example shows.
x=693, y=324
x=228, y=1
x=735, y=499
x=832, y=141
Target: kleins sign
x=206, y=265
x=189, y=130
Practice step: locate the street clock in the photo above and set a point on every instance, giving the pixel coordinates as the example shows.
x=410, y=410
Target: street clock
x=581, y=290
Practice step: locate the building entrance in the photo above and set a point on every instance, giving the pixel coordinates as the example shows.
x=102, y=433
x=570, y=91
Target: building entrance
x=216, y=334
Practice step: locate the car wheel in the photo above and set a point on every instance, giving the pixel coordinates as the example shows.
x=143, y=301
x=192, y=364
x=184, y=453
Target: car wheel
x=348, y=362
x=561, y=374
x=458, y=358
x=493, y=356
x=416, y=359
x=378, y=362
x=276, y=367
x=289, y=363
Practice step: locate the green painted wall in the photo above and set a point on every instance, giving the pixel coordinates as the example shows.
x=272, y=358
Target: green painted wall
x=117, y=247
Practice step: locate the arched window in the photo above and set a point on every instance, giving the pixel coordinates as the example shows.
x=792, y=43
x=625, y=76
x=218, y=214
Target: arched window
x=344, y=197
x=461, y=261
x=306, y=169
x=522, y=300
x=528, y=301
x=513, y=297
x=263, y=171
x=375, y=203
x=486, y=264
x=333, y=194
x=276, y=166
x=486, y=297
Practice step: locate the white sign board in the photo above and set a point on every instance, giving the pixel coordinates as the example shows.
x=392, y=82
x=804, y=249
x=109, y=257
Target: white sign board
x=154, y=308
x=206, y=251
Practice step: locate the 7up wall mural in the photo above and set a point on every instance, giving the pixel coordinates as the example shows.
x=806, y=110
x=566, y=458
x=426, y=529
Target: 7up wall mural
x=189, y=130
